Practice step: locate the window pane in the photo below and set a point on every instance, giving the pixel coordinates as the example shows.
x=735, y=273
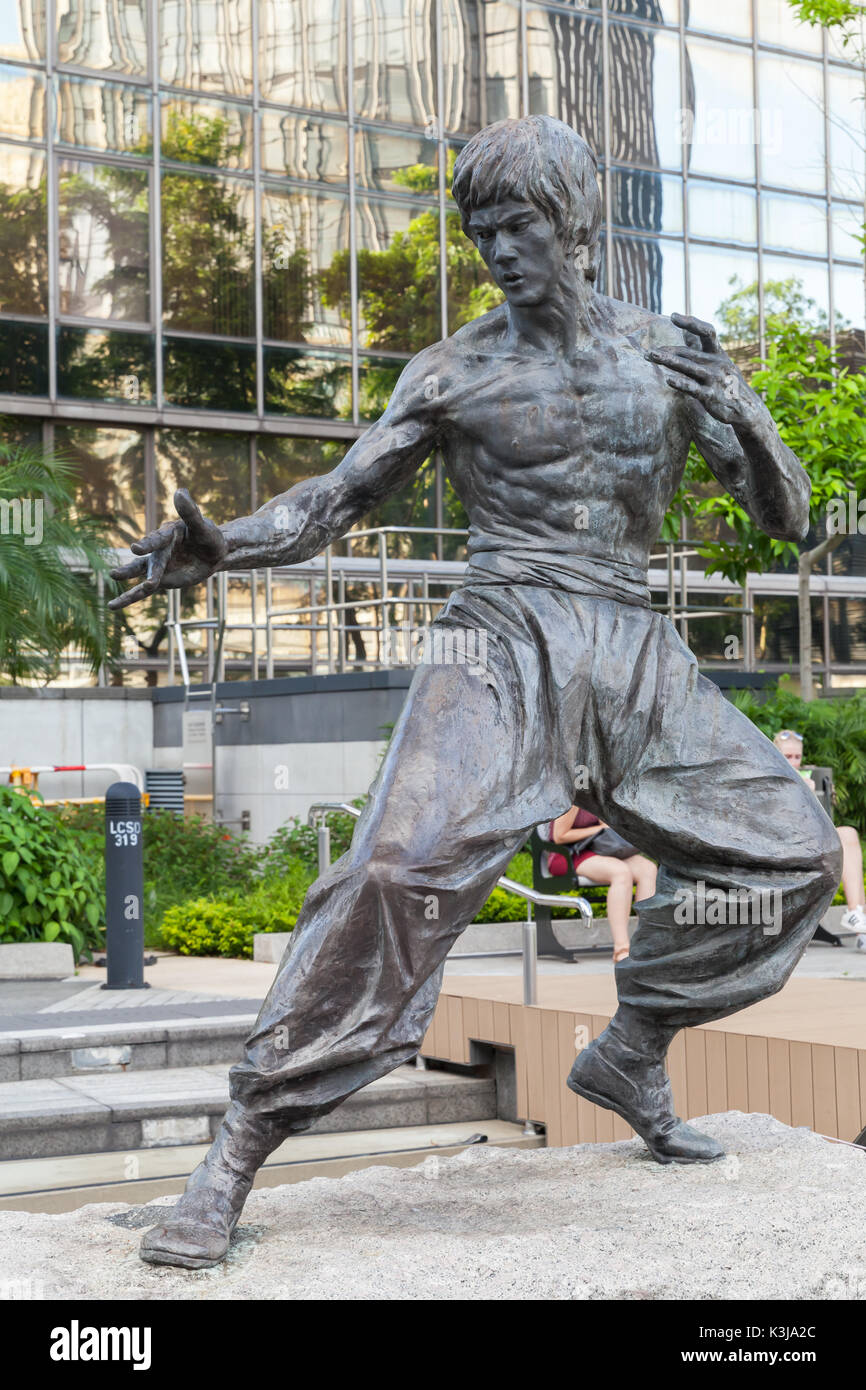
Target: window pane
x=792, y=123
x=395, y=163
x=714, y=275
x=22, y=31
x=565, y=71
x=648, y=272
x=23, y=358
x=92, y=34
x=214, y=466
x=847, y=629
x=95, y=365
x=377, y=377
x=303, y=53
x=110, y=466
x=398, y=275
x=305, y=240
x=23, y=231
x=103, y=214
x=209, y=375
x=733, y=17
x=207, y=254
x=213, y=133
x=395, y=69
x=847, y=157
x=777, y=24
x=481, y=63
x=206, y=45
x=848, y=294
x=794, y=224
x=721, y=131
x=103, y=116
x=317, y=384
x=645, y=101
x=22, y=103
x=282, y=461
x=646, y=202
x=722, y=212
x=847, y=224
x=813, y=278
x=301, y=147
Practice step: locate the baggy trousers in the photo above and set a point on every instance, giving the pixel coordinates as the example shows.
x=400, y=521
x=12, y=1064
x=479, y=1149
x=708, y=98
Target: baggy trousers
x=578, y=698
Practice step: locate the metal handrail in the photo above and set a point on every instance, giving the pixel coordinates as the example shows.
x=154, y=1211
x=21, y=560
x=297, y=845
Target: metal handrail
x=529, y=949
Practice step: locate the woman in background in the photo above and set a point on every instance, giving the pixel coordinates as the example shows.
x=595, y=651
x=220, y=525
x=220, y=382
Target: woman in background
x=579, y=828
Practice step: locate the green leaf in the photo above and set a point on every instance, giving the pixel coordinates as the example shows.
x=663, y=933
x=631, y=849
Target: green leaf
x=10, y=862
x=52, y=931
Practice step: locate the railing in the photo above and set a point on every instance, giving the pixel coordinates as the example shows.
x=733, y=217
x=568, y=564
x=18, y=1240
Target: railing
x=529, y=948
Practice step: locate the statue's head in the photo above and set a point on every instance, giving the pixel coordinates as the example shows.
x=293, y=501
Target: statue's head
x=528, y=197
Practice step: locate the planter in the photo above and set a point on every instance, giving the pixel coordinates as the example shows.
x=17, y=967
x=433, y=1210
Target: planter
x=36, y=960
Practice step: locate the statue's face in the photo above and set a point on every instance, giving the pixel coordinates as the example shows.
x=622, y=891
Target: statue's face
x=521, y=249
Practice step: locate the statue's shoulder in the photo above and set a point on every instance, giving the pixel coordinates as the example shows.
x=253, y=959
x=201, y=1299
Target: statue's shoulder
x=481, y=333
x=641, y=325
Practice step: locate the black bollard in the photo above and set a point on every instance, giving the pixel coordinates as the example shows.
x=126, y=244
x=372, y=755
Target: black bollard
x=124, y=888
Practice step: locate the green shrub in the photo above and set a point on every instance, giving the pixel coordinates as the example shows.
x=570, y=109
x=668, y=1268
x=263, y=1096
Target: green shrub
x=298, y=842
x=226, y=926
x=50, y=889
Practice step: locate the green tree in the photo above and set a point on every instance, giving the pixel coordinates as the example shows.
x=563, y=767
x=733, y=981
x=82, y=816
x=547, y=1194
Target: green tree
x=46, y=607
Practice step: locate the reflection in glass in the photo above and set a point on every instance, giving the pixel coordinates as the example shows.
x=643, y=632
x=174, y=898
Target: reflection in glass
x=777, y=631
x=393, y=163
x=481, y=62
x=722, y=212
x=649, y=272
x=778, y=25
x=92, y=34
x=646, y=202
x=213, y=465
x=217, y=134
x=848, y=291
x=301, y=147
x=794, y=224
x=282, y=461
x=103, y=115
x=104, y=241
x=655, y=11
x=394, y=61
x=398, y=275
x=565, y=71
x=93, y=364
x=206, y=45
x=733, y=17
x=846, y=134
x=305, y=256
x=317, y=384
x=377, y=377
x=207, y=254
x=847, y=629
x=22, y=103
x=22, y=31
x=209, y=375
x=813, y=277
x=722, y=128
x=792, y=134
x=302, y=48
x=110, y=464
x=847, y=227
x=23, y=231
x=23, y=358
x=645, y=103
x=714, y=275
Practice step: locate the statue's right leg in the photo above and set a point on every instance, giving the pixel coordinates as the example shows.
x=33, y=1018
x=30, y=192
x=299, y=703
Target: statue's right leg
x=472, y=765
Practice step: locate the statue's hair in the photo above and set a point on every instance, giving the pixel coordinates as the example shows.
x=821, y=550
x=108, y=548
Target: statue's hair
x=534, y=159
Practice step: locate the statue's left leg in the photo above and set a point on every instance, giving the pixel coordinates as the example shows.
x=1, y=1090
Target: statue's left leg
x=748, y=863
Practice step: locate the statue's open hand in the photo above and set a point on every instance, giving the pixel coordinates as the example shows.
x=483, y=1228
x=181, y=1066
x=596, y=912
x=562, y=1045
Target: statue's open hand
x=708, y=374
x=180, y=553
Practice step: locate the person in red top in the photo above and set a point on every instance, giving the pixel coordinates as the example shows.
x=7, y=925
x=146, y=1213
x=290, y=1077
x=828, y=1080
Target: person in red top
x=623, y=875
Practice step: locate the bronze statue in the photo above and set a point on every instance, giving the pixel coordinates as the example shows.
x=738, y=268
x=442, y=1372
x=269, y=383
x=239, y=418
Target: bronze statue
x=564, y=418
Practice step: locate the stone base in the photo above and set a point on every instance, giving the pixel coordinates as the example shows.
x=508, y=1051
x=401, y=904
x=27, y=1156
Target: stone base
x=36, y=960
x=780, y=1218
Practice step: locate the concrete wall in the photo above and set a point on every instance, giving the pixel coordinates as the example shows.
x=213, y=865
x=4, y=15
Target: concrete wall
x=75, y=726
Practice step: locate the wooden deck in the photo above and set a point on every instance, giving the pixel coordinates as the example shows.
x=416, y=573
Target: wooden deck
x=800, y=1056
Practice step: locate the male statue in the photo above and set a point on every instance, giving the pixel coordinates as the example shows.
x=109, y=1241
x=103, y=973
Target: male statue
x=564, y=419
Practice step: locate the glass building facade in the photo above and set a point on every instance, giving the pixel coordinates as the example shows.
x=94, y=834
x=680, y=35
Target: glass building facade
x=226, y=225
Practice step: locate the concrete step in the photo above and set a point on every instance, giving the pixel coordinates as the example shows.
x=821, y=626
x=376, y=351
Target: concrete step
x=170, y=1106
x=118, y=1047
x=64, y=1184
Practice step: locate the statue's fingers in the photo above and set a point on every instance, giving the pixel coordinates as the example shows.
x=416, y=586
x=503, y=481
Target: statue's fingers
x=135, y=595
x=156, y=563
x=155, y=540
x=701, y=329
x=696, y=368
x=690, y=388
x=130, y=571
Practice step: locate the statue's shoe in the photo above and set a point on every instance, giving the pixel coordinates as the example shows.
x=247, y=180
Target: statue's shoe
x=614, y=1076
x=198, y=1233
